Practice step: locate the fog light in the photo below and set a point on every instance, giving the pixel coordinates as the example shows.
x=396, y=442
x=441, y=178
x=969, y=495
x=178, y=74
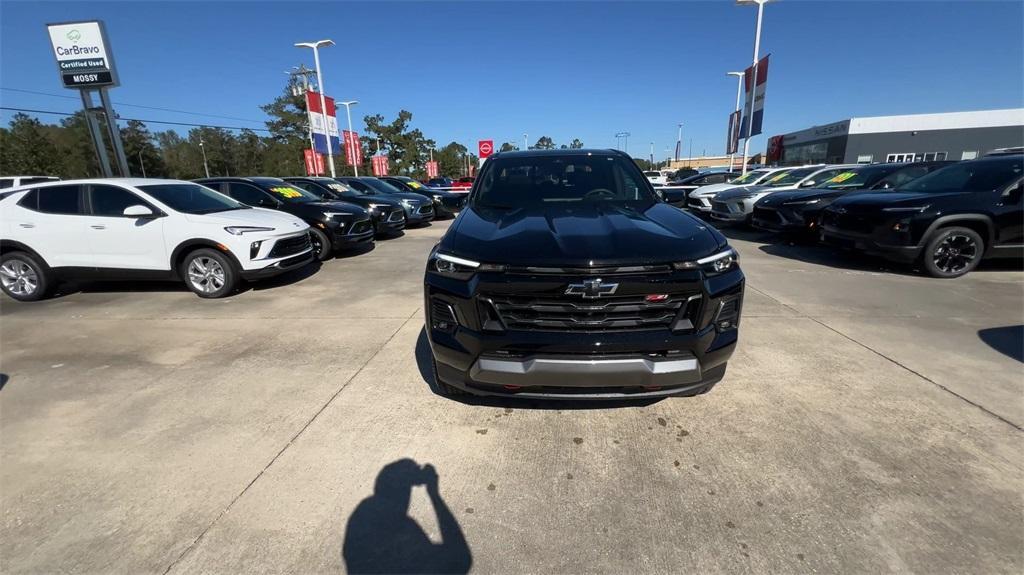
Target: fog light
x=900, y=227
x=254, y=249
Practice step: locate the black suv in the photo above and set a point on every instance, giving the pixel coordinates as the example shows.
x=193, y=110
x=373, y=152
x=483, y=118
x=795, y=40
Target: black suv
x=800, y=210
x=567, y=278
x=418, y=210
x=678, y=192
x=446, y=204
x=333, y=225
x=947, y=221
x=387, y=214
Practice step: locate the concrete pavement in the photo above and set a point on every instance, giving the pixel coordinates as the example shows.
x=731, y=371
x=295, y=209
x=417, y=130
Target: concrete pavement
x=870, y=421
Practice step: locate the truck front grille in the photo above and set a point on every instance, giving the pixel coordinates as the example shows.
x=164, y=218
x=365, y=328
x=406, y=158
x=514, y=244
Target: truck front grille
x=288, y=246
x=678, y=312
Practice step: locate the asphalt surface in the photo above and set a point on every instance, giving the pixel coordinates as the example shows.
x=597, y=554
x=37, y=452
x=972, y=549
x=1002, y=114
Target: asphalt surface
x=870, y=421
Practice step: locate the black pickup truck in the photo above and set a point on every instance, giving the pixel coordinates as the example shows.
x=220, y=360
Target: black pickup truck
x=566, y=277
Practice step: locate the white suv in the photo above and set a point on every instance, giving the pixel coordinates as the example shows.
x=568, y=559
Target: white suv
x=141, y=229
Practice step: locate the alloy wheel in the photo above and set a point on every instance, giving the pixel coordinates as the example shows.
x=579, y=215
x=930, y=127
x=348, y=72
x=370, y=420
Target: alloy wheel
x=955, y=253
x=19, y=278
x=206, y=274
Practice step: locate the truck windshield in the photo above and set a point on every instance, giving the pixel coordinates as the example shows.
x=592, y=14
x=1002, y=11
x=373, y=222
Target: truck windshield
x=191, y=198
x=543, y=180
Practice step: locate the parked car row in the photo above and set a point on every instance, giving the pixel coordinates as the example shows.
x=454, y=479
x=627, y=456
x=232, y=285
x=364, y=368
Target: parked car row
x=944, y=216
x=212, y=233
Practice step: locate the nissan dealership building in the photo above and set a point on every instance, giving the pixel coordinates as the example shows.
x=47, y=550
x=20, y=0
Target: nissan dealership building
x=950, y=136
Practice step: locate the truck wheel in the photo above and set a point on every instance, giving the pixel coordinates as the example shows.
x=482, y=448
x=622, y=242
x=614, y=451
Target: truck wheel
x=952, y=252
x=445, y=389
x=23, y=277
x=209, y=273
x=321, y=244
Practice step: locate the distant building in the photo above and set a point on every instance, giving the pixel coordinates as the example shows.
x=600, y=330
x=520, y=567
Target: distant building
x=704, y=162
x=950, y=136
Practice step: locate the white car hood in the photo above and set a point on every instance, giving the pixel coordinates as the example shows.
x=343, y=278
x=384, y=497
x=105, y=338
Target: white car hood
x=707, y=191
x=280, y=221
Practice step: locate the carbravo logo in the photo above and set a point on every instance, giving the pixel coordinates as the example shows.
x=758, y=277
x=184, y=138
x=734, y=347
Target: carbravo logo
x=74, y=35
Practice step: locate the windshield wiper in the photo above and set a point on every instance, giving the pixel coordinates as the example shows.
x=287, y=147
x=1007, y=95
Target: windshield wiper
x=216, y=210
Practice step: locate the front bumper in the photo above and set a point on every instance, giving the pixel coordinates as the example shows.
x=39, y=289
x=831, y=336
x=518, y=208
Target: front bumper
x=700, y=204
x=580, y=364
x=782, y=220
x=389, y=222
x=279, y=267
x=416, y=215
x=869, y=243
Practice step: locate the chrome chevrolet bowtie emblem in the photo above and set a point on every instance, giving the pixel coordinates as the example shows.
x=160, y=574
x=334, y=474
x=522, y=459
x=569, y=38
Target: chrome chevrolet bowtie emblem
x=591, y=289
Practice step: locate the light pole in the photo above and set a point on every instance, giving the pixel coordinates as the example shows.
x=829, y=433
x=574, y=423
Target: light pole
x=323, y=101
x=625, y=140
x=355, y=142
x=679, y=141
x=202, y=149
x=652, y=155
x=739, y=91
x=142, y=164
x=753, y=86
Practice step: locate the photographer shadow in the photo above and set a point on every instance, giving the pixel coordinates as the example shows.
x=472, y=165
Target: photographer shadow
x=381, y=537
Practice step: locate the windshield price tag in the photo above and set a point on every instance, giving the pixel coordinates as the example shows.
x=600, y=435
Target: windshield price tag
x=287, y=192
x=778, y=177
x=842, y=177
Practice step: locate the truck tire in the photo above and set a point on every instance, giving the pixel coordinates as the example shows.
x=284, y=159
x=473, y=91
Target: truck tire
x=952, y=252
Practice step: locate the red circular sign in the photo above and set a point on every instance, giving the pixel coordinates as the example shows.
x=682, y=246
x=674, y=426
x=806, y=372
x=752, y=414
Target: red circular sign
x=485, y=147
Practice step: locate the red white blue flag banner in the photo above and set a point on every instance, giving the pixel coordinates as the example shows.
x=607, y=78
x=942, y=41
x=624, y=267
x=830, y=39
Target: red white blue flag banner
x=755, y=92
x=323, y=124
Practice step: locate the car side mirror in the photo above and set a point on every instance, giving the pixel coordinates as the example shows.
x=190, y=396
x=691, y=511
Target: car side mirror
x=138, y=211
x=808, y=184
x=661, y=194
x=267, y=203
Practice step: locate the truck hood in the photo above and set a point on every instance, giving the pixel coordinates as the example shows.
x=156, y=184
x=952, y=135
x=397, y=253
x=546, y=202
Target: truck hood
x=804, y=195
x=251, y=217
x=741, y=191
x=583, y=235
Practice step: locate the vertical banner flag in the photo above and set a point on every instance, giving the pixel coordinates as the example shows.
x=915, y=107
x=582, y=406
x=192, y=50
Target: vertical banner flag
x=755, y=94
x=432, y=170
x=732, y=143
x=679, y=149
x=353, y=151
x=323, y=122
x=380, y=165
x=314, y=163
x=775, y=150
x=485, y=148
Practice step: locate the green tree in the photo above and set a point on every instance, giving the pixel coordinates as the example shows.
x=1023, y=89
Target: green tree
x=508, y=147
x=451, y=160
x=141, y=151
x=289, y=125
x=27, y=149
x=407, y=149
x=544, y=143
x=576, y=144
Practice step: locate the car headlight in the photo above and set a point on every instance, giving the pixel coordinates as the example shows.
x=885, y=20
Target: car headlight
x=408, y=203
x=720, y=262
x=801, y=202
x=456, y=267
x=438, y=198
x=906, y=209
x=239, y=230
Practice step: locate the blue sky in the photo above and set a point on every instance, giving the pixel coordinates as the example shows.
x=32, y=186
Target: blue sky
x=489, y=70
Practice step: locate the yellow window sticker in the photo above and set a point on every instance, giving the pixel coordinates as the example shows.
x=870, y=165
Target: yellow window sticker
x=415, y=185
x=842, y=177
x=287, y=192
x=778, y=177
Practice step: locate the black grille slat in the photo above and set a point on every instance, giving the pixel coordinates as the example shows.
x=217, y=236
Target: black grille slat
x=620, y=313
x=361, y=227
x=441, y=312
x=288, y=246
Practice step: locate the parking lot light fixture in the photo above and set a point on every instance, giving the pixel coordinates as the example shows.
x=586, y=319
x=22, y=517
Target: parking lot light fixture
x=323, y=101
x=757, y=49
x=348, y=114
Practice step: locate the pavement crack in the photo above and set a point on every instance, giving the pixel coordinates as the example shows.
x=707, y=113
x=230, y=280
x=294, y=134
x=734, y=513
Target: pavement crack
x=893, y=361
x=195, y=542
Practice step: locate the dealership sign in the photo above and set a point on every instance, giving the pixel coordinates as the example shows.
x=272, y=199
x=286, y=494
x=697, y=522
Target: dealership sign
x=380, y=165
x=432, y=170
x=83, y=54
x=353, y=151
x=485, y=148
x=314, y=163
x=732, y=143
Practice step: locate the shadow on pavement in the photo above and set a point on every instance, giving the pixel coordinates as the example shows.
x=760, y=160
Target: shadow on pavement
x=380, y=537
x=357, y=251
x=1008, y=340
x=424, y=362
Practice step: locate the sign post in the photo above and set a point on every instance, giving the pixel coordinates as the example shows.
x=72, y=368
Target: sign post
x=85, y=63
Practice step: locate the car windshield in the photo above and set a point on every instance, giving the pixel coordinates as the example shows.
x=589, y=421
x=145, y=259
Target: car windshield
x=288, y=193
x=191, y=198
x=381, y=186
x=789, y=178
x=750, y=177
x=545, y=180
x=980, y=176
x=854, y=179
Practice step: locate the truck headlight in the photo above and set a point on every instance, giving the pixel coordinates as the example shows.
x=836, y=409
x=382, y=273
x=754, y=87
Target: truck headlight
x=720, y=262
x=456, y=267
